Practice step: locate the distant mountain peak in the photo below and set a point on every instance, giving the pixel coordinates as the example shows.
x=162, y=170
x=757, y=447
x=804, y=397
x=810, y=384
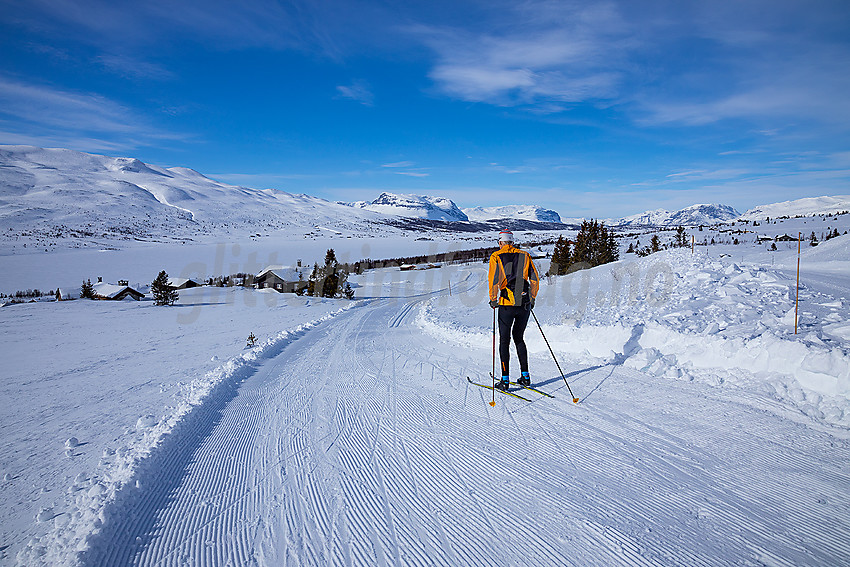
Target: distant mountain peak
x=702, y=214
x=517, y=212
x=417, y=206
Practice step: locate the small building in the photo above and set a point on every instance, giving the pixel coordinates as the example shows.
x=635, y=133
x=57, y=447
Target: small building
x=279, y=278
x=182, y=283
x=115, y=292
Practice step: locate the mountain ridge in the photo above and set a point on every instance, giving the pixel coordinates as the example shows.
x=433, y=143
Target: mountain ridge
x=47, y=195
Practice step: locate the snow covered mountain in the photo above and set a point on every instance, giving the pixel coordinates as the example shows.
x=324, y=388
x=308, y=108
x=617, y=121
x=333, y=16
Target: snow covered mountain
x=689, y=216
x=519, y=212
x=51, y=194
x=803, y=207
x=416, y=206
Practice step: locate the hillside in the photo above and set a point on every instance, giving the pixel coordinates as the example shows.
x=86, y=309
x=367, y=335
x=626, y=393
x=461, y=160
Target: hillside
x=800, y=207
x=50, y=197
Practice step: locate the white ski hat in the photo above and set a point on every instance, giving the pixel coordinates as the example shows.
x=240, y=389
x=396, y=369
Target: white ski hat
x=506, y=236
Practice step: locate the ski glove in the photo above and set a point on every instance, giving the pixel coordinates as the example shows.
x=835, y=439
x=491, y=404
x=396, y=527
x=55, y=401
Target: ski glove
x=494, y=303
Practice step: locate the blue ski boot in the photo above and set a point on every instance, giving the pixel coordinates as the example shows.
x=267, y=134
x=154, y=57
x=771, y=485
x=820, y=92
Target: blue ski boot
x=524, y=379
x=503, y=384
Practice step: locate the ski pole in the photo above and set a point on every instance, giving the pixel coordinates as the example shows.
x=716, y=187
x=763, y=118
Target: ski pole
x=575, y=399
x=493, y=373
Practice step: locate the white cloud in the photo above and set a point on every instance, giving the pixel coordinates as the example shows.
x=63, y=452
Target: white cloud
x=412, y=173
x=678, y=64
x=358, y=91
x=562, y=53
x=220, y=23
x=134, y=68
x=46, y=114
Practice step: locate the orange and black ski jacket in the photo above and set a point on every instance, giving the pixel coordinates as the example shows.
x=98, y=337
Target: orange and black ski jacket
x=513, y=277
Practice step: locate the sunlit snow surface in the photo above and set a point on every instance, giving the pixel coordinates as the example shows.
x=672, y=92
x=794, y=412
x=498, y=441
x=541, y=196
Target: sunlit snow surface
x=706, y=432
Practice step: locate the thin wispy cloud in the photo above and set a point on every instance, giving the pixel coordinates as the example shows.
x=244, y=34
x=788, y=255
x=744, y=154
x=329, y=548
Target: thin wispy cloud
x=412, y=173
x=54, y=114
x=358, y=91
x=552, y=52
x=134, y=68
x=749, y=66
x=217, y=24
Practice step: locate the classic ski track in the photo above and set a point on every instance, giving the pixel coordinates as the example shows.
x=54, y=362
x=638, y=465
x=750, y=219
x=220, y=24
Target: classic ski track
x=333, y=453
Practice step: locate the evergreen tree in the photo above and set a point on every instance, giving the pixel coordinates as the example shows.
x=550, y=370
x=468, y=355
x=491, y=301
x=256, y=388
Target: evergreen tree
x=163, y=294
x=330, y=280
x=655, y=243
x=87, y=290
x=315, y=281
x=613, y=248
x=560, y=258
x=594, y=245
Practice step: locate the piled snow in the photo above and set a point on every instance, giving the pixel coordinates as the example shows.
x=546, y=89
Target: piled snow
x=694, y=215
x=417, y=206
x=518, y=212
x=680, y=316
x=809, y=206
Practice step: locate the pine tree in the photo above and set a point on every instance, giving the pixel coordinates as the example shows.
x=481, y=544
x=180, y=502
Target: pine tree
x=613, y=249
x=163, y=294
x=681, y=237
x=314, y=282
x=329, y=280
x=87, y=290
x=560, y=258
x=655, y=243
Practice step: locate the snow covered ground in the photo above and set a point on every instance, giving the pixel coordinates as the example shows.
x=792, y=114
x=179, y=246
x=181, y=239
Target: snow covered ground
x=678, y=315
x=706, y=433
x=118, y=377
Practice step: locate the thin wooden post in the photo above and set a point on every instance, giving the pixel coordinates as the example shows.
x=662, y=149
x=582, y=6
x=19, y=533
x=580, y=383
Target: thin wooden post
x=693, y=240
x=797, y=301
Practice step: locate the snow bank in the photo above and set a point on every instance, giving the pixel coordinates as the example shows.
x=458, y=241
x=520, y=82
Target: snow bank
x=674, y=315
x=97, y=496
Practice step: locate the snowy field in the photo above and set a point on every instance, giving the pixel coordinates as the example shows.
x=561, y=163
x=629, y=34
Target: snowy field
x=707, y=432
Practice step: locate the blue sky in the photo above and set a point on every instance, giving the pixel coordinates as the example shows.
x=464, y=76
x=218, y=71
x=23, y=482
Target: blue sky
x=590, y=108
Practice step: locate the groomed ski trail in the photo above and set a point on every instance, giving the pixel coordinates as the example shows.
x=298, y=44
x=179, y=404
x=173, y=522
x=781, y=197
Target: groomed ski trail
x=361, y=443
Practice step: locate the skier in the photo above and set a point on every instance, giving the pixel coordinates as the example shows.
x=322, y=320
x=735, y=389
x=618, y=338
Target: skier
x=514, y=284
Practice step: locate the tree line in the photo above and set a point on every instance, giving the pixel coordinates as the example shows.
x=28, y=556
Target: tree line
x=594, y=245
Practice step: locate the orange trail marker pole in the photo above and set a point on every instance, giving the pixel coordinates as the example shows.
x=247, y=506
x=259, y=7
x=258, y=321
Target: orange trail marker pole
x=797, y=301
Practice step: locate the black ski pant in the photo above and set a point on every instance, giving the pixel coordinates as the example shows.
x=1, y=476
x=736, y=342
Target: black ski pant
x=512, y=323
